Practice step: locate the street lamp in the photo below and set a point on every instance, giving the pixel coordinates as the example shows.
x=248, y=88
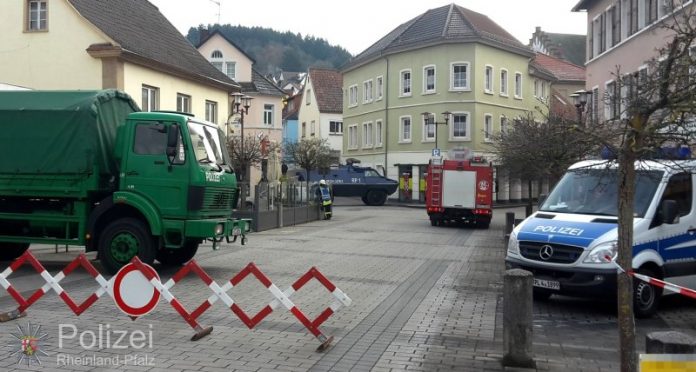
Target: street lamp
x=430, y=120
x=240, y=106
x=580, y=98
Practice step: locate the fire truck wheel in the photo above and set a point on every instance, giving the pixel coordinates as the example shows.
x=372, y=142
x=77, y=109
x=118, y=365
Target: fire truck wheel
x=375, y=197
x=179, y=256
x=10, y=251
x=433, y=222
x=122, y=240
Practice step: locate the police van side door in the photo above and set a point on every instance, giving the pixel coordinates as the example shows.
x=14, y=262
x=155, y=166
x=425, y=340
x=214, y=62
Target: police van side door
x=677, y=241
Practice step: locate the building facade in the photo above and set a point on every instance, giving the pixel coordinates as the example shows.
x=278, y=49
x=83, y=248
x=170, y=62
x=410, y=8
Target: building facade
x=449, y=59
x=321, y=111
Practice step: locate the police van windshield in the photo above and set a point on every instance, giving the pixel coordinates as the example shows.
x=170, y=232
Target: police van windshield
x=595, y=191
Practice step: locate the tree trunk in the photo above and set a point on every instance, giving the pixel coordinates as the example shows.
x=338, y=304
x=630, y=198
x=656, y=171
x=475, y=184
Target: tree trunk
x=626, y=184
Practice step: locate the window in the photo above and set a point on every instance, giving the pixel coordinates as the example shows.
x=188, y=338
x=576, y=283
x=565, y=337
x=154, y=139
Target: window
x=429, y=79
x=150, y=139
x=459, y=76
x=632, y=13
x=216, y=60
x=405, y=83
x=268, y=115
x=150, y=98
x=380, y=87
x=216, y=54
x=217, y=65
x=487, y=128
x=211, y=111
x=304, y=129
x=353, y=136
x=679, y=189
x=37, y=15
x=503, y=83
x=183, y=103
x=615, y=12
x=335, y=127
x=543, y=90
x=231, y=69
x=429, y=128
x=595, y=105
x=536, y=88
x=503, y=124
x=353, y=95
x=405, y=129
x=367, y=91
x=650, y=11
x=488, y=80
x=378, y=133
x=518, y=85
x=313, y=128
x=308, y=99
x=612, y=99
x=367, y=134
x=460, y=126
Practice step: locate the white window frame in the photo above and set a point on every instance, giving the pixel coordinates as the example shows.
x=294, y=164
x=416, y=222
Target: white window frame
x=487, y=128
x=402, y=132
x=231, y=74
x=488, y=80
x=183, y=103
x=367, y=135
x=367, y=91
x=467, y=126
x=504, y=86
x=313, y=128
x=425, y=79
x=353, y=136
x=211, y=114
x=353, y=95
x=379, y=87
x=467, y=77
x=402, y=86
x=340, y=125
x=425, y=135
x=304, y=129
x=519, y=85
x=504, y=124
x=308, y=98
x=152, y=98
x=38, y=17
x=378, y=133
x=268, y=114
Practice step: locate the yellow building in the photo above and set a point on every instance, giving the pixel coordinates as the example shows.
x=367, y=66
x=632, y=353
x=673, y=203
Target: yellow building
x=122, y=44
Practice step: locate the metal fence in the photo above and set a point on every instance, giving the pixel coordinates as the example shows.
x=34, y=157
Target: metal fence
x=277, y=204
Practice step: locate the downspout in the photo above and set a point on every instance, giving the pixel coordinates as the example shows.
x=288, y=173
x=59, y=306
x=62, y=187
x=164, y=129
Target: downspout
x=386, y=118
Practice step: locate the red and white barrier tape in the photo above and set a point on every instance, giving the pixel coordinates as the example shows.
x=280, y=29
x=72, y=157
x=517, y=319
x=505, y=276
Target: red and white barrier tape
x=658, y=283
x=219, y=292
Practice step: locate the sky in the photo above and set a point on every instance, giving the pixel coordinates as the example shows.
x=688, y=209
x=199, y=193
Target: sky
x=357, y=24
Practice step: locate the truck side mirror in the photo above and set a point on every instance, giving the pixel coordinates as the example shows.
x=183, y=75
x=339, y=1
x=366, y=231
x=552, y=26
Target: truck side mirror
x=172, y=142
x=669, y=211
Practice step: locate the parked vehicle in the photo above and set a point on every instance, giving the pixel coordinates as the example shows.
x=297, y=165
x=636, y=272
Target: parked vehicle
x=353, y=180
x=85, y=168
x=459, y=191
x=569, y=243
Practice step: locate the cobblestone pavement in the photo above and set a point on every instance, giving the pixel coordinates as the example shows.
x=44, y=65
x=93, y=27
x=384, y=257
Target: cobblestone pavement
x=424, y=298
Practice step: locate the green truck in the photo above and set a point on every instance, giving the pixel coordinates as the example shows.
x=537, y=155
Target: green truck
x=87, y=168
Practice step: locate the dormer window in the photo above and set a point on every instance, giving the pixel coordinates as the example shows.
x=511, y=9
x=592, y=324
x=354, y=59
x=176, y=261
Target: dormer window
x=216, y=54
x=36, y=15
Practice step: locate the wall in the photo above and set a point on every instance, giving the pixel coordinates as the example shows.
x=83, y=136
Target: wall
x=229, y=53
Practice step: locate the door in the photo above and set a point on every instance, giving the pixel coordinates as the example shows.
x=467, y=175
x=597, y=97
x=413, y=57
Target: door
x=677, y=242
x=147, y=170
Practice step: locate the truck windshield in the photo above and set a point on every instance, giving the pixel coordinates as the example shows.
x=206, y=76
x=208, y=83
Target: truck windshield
x=208, y=144
x=595, y=191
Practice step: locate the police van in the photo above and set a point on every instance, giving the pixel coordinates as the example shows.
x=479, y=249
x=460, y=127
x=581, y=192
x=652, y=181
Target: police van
x=565, y=244
x=354, y=180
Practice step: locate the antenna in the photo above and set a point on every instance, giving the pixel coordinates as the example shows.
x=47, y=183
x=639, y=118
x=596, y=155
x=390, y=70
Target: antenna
x=217, y=2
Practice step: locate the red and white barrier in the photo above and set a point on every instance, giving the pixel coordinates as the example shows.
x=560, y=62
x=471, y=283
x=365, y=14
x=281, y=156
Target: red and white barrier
x=657, y=282
x=151, y=277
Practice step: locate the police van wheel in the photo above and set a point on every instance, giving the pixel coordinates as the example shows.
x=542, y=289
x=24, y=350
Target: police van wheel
x=646, y=297
x=375, y=197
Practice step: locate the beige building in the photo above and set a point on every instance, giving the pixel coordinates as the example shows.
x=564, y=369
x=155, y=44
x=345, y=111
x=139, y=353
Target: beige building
x=621, y=34
x=321, y=110
x=122, y=44
x=264, y=120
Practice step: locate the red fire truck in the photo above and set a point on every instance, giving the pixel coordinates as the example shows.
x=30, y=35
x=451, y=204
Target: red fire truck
x=459, y=190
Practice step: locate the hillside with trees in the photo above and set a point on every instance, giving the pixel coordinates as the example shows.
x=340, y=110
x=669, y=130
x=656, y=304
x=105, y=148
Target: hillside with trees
x=274, y=51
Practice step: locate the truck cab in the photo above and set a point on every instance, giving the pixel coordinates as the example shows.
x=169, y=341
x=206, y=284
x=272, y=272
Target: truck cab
x=569, y=243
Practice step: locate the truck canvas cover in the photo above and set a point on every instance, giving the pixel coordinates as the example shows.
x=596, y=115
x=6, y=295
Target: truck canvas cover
x=60, y=132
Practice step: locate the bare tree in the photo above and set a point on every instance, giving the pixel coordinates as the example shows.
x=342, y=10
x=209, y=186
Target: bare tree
x=252, y=153
x=310, y=154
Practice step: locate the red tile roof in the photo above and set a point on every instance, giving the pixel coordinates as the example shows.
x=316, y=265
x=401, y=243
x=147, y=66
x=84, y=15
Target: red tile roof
x=560, y=69
x=328, y=89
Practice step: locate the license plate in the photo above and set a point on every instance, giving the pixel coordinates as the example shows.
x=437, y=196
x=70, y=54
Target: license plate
x=548, y=284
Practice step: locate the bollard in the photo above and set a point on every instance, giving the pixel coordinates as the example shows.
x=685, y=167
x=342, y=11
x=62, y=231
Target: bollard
x=517, y=319
x=509, y=223
x=670, y=342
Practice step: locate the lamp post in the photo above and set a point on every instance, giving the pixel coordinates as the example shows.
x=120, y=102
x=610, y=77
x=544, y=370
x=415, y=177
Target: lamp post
x=430, y=120
x=240, y=106
x=580, y=98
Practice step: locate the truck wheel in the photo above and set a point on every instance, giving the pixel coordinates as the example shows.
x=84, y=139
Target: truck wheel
x=179, y=256
x=10, y=251
x=375, y=197
x=646, y=297
x=122, y=240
